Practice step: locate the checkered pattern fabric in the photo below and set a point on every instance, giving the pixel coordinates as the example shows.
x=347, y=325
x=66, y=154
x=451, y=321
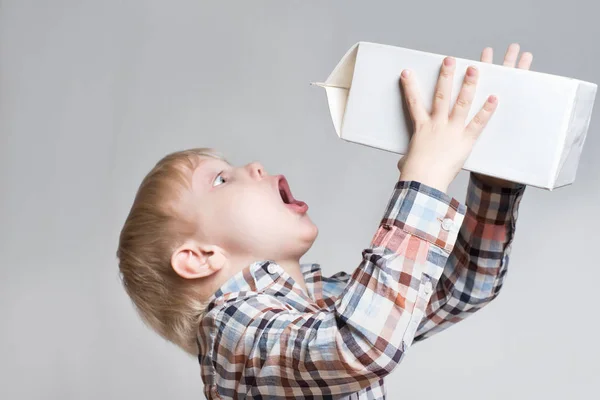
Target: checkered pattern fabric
x=432, y=262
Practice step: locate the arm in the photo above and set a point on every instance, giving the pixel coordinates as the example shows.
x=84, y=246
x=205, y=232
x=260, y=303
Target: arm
x=276, y=350
x=476, y=269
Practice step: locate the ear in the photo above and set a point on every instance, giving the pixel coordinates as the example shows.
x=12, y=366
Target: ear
x=193, y=260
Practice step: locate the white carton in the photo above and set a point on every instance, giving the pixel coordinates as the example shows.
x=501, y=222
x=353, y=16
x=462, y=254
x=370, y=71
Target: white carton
x=534, y=137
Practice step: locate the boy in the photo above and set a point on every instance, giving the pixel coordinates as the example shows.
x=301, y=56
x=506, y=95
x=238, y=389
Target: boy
x=210, y=256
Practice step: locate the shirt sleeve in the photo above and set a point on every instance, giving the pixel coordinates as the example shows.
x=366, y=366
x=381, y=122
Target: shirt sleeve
x=266, y=347
x=477, y=266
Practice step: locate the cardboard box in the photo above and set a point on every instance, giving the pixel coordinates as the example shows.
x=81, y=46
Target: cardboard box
x=534, y=137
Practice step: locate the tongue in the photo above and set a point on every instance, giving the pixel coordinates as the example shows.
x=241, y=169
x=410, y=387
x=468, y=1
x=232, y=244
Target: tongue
x=298, y=206
x=294, y=201
x=291, y=199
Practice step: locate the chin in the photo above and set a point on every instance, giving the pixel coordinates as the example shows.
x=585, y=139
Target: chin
x=309, y=236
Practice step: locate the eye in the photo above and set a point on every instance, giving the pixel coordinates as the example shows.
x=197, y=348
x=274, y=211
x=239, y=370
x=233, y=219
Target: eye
x=219, y=178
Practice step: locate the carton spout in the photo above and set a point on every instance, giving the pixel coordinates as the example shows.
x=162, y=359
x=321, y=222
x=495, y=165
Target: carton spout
x=326, y=85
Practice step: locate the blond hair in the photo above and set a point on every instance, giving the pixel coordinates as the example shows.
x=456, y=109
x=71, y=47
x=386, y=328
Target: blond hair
x=154, y=228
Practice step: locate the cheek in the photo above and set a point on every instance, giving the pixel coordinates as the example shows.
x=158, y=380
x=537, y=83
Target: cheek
x=258, y=212
x=252, y=211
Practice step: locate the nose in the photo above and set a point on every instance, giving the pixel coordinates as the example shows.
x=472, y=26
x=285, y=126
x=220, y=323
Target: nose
x=257, y=171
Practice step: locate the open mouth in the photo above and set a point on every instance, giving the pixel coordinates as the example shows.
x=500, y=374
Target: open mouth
x=287, y=197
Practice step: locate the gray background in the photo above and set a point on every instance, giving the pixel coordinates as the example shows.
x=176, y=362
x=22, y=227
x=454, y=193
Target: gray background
x=93, y=93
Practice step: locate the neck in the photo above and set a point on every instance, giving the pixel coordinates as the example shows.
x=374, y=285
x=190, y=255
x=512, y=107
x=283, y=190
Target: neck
x=292, y=267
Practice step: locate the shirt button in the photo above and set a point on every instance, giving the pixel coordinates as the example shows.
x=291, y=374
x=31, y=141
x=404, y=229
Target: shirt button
x=447, y=224
x=271, y=268
x=428, y=287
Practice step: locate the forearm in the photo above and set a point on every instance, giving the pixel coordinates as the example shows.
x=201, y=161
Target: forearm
x=476, y=269
x=488, y=232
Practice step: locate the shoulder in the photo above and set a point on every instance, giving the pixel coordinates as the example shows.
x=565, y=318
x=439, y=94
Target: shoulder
x=241, y=312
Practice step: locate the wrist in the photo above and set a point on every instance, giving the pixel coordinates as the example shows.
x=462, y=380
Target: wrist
x=442, y=187
x=493, y=183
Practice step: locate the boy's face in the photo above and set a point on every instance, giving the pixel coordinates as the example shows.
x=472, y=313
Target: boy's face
x=241, y=210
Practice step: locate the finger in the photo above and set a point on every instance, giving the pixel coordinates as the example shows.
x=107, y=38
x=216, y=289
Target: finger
x=525, y=61
x=487, y=55
x=512, y=52
x=465, y=96
x=481, y=119
x=443, y=89
x=413, y=99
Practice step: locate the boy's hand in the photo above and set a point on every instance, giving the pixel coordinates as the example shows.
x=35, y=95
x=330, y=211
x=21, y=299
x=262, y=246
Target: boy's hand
x=510, y=59
x=441, y=143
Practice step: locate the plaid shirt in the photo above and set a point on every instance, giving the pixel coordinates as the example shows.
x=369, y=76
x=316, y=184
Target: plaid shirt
x=432, y=262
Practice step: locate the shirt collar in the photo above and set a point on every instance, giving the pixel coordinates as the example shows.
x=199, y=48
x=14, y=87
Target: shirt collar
x=259, y=275
x=254, y=277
